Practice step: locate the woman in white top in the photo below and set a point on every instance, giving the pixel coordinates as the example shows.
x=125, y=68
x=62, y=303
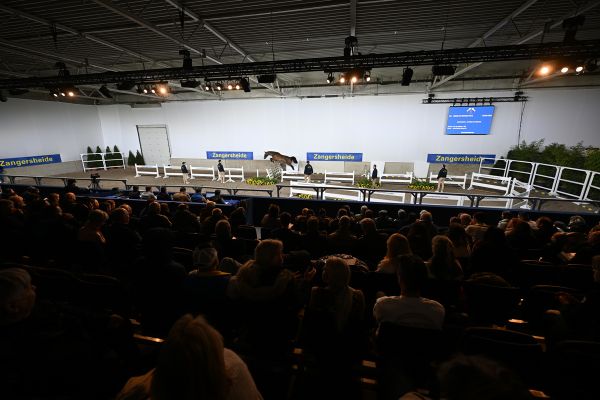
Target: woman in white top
x=193, y=364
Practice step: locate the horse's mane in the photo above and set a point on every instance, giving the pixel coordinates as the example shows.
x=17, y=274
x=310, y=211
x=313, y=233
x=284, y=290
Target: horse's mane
x=294, y=160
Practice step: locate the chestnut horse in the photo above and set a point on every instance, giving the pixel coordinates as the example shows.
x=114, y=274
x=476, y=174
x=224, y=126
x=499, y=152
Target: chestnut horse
x=281, y=159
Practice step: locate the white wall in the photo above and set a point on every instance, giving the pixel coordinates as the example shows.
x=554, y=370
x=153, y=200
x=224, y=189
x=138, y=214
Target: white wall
x=29, y=127
x=391, y=128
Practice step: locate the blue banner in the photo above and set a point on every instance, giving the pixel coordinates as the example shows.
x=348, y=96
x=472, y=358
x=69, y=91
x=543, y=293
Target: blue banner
x=334, y=156
x=470, y=120
x=29, y=161
x=459, y=158
x=229, y=155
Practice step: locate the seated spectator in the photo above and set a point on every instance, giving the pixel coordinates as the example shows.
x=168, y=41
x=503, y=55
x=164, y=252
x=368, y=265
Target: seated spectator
x=371, y=245
x=92, y=230
x=383, y=220
x=165, y=210
x=182, y=195
x=135, y=193
x=587, y=251
x=72, y=186
x=122, y=242
x=324, y=220
x=342, y=240
x=217, y=198
x=207, y=211
x=55, y=350
x=148, y=194
x=299, y=224
x=419, y=237
x=209, y=224
x=465, y=219
x=225, y=244
x=410, y=309
x=185, y=221
x=197, y=196
x=477, y=227
x=288, y=237
x=443, y=265
x=397, y=245
x=461, y=241
x=237, y=218
x=493, y=254
x=545, y=230
x=345, y=304
x=402, y=219
x=314, y=241
x=271, y=218
x=163, y=194
x=194, y=364
x=506, y=217
x=476, y=378
x=524, y=216
x=426, y=219
x=519, y=236
x=361, y=215
x=157, y=282
x=153, y=218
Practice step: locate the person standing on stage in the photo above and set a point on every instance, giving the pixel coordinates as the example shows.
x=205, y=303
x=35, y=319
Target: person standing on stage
x=185, y=173
x=374, y=174
x=441, y=178
x=308, y=171
x=221, y=171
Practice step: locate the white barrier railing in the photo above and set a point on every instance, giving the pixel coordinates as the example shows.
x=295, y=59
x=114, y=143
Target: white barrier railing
x=146, y=170
x=493, y=182
x=539, y=183
x=487, y=165
x=103, y=162
x=397, y=178
x=339, y=177
x=356, y=195
x=458, y=180
x=528, y=171
x=519, y=189
x=396, y=197
x=589, y=197
x=302, y=188
x=292, y=176
x=203, y=172
x=583, y=186
x=459, y=199
x=237, y=173
x=172, y=170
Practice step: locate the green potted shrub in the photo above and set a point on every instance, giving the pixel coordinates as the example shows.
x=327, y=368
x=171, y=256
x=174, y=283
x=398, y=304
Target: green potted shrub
x=261, y=181
x=421, y=185
x=131, y=159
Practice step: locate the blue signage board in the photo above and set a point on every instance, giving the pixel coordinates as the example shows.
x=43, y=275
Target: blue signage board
x=334, y=156
x=29, y=161
x=459, y=158
x=470, y=120
x=229, y=155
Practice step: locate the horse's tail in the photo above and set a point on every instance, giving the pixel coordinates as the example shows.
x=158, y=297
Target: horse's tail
x=294, y=160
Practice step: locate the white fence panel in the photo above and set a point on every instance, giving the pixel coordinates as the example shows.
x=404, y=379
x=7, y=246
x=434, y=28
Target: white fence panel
x=146, y=170
x=203, y=172
x=493, y=182
x=397, y=178
x=237, y=173
x=339, y=177
x=172, y=170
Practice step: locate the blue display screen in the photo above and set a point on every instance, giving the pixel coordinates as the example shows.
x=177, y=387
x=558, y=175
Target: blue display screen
x=470, y=120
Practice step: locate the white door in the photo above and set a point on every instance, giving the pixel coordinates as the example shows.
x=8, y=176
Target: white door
x=154, y=143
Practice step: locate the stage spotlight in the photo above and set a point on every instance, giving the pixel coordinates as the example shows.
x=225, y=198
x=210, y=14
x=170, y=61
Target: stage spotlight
x=342, y=78
x=146, y=90
x=354, y=79
x=207, y=86
x=152, y=90
x=237, y=86
x=229, y=86
x=545, y=70
x=219, y=86
x=564, y=70
x=330, y=78
x=245, y=84
x=367, y=76
x=62, y=93
x=105, y=92
x=579, y=69
x=407, y=75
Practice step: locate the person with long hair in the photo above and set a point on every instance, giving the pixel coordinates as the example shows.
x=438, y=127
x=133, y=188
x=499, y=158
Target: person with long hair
x=443, y=264
x=193, y=364
x=397, y=245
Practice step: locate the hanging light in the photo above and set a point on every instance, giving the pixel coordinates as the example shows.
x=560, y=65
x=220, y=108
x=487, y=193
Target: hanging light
x=342, y=78
x=330, y=78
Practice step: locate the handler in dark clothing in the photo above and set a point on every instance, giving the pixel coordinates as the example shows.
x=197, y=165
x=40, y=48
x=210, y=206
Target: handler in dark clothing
x=374, y=174
x=185, y=173
x=308, y=171
x=442, y=174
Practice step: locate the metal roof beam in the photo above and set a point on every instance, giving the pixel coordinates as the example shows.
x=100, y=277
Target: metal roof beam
x=352, y=17
x=520, y=41
x=109, y=5
x=73, y=31
x=582, y=49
